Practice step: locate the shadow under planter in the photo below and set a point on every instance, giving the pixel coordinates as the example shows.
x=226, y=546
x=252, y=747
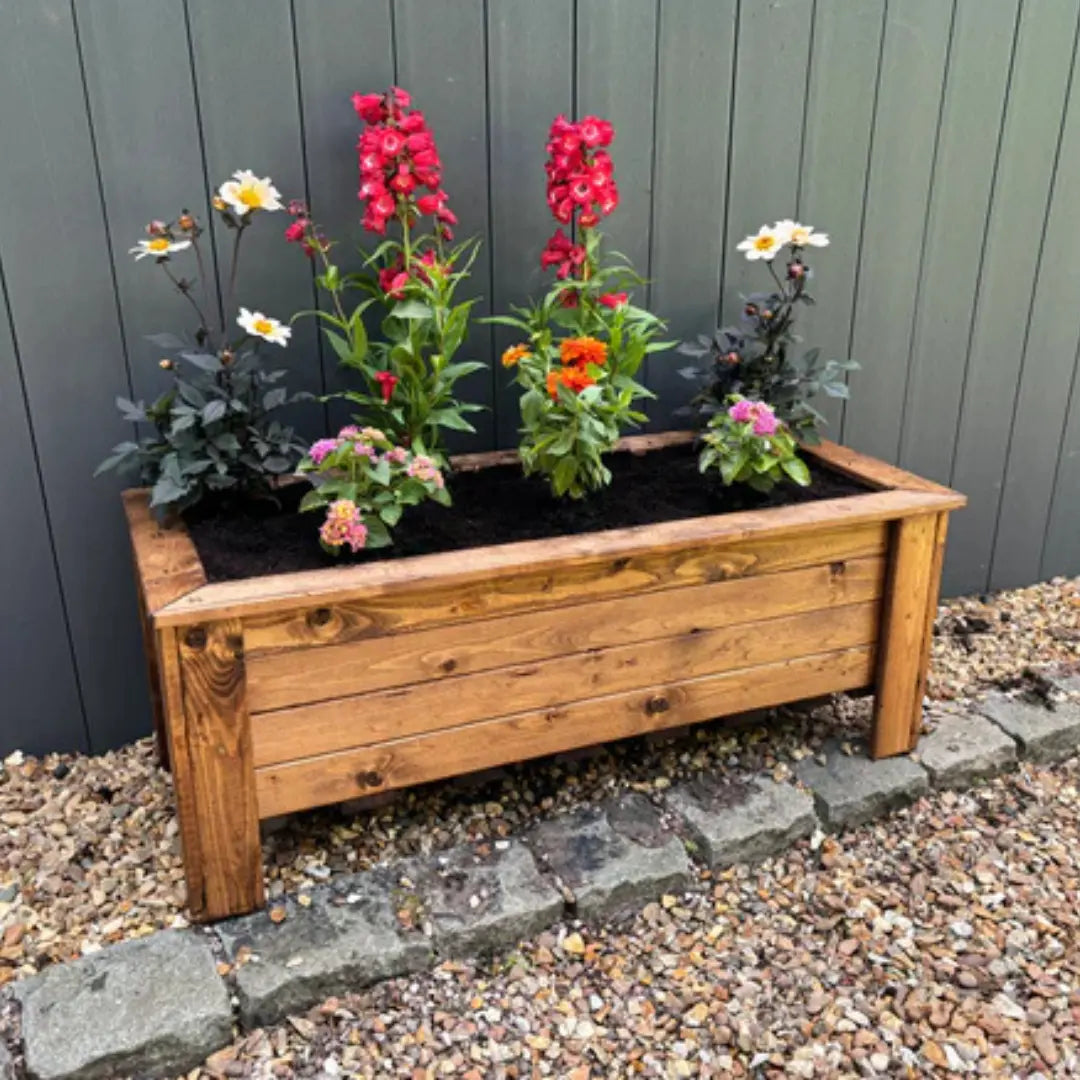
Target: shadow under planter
x=280, y=693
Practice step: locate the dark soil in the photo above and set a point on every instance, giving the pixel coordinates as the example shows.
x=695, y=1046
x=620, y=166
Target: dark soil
x=492, y=506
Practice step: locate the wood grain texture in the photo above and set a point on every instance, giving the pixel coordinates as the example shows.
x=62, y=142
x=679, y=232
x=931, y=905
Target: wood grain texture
x=167, y=565
x=281, y=678
x=217, y=754
x=367, y=719
x=177, y=732
x=321, y=780
x=907, y=621
x=877, y=473
x=463, y=597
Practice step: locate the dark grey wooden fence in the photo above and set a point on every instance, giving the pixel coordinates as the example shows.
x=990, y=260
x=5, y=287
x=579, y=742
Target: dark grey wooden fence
x=938, y=142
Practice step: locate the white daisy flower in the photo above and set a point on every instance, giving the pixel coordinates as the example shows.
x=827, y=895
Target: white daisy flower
x=157, y=247
x=800, y=235
x=259, y=325
x=764, y=245
x=245, y=192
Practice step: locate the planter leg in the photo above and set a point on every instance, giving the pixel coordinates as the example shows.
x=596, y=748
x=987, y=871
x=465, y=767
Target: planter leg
x=907, y=621
x=213, y=771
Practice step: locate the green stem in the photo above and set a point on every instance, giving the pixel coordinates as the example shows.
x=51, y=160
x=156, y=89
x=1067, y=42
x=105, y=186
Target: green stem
x=186, y=294
x=231, y=294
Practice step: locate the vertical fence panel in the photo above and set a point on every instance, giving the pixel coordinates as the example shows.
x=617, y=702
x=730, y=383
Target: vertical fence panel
x=772, y=54
x=443, y=64
x=694, y=76
x=976, y=86
x=1061, y=545
x=1018, y=210
x=146, y=129
x=42, y=710
x=56, y=257
x=1048, y=365
x=839, y=117
x=245, y=75
x=905, y=124
x=530, y=81
x=937, y=141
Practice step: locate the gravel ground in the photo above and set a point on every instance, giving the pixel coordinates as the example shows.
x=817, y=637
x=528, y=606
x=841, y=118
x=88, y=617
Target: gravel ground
x=943, y=939
x=89, y=852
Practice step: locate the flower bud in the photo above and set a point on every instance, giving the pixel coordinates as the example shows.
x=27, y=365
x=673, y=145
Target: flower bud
x=155, y=228
x=766, y=314
x=751, y=310
x=218, y=203
x=227, y=357
x=795, y=270
x=166, y=364
x=732, y=357
x=185, y=222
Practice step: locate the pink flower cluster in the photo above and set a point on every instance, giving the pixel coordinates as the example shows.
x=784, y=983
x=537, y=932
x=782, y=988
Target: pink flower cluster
x=758, y=413
x=581, y=182
x=344, y=525
x=398, y=157
x=423, y=468
x=393, y=278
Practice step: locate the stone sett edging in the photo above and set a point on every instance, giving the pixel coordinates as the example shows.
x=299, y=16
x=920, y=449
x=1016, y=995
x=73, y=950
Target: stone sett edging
x=158, y=1006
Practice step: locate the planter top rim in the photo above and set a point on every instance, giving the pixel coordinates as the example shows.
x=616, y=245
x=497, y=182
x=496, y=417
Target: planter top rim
x=176, y=591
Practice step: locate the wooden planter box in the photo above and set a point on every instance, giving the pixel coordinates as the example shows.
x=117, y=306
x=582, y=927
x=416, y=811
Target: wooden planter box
x=285, y=692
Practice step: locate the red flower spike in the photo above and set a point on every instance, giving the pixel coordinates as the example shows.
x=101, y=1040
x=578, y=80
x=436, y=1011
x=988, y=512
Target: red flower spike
x=387, y=380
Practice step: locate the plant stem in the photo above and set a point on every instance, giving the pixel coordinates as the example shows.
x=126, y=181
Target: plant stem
x=186, y=294
x=231, y=294
x=202, y=282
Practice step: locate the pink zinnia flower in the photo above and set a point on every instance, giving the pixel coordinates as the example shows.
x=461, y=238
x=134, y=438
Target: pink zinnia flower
x=741, y=412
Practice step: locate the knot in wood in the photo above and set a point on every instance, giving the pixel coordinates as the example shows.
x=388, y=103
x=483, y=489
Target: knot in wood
x=369, y=779
x=320, y=616
x=235, y=642
x=195, y=638
x=657, y=704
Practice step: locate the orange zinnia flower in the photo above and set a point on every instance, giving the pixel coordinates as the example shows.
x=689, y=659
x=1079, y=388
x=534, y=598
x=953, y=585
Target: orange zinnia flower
x=573, y=378
x=582, y=351
x=514, y=354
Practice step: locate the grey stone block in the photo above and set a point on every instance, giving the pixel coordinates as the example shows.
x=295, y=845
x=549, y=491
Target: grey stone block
x=965, y=748
x=852, y=789
x=1043, y=734
x=155, y=1007
x=7, y=1066
x=348, y=938
x=479, y=904
x=1066, y=684
x=737, y=821
x=613, y=856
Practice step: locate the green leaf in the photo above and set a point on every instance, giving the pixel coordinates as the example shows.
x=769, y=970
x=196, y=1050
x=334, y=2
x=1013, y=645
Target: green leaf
x=411, y=309
x=213, y=411
x=451, y=419
x=797, y=470
x=391, y=514
x=313, y=500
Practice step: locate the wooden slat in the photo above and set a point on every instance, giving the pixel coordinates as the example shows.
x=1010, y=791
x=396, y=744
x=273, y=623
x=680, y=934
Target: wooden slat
x=280, y=678
x=334, y=777
x=166, y=562
x=874, y=472
x=366, y=719
x=898, y=186
x=183, y=777
x=463, y=600
x=907, y=622
x=839, y=119
x=1029, y=144
x=694, y=82
x=213, y=751
x=967, y=153
x=1061, y=546
x=695, y=549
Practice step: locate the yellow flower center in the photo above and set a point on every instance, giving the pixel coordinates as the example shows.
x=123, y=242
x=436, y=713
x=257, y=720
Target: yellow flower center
x=250, y=197
x=159, y=243
x=263, y=326
x=764, y=243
